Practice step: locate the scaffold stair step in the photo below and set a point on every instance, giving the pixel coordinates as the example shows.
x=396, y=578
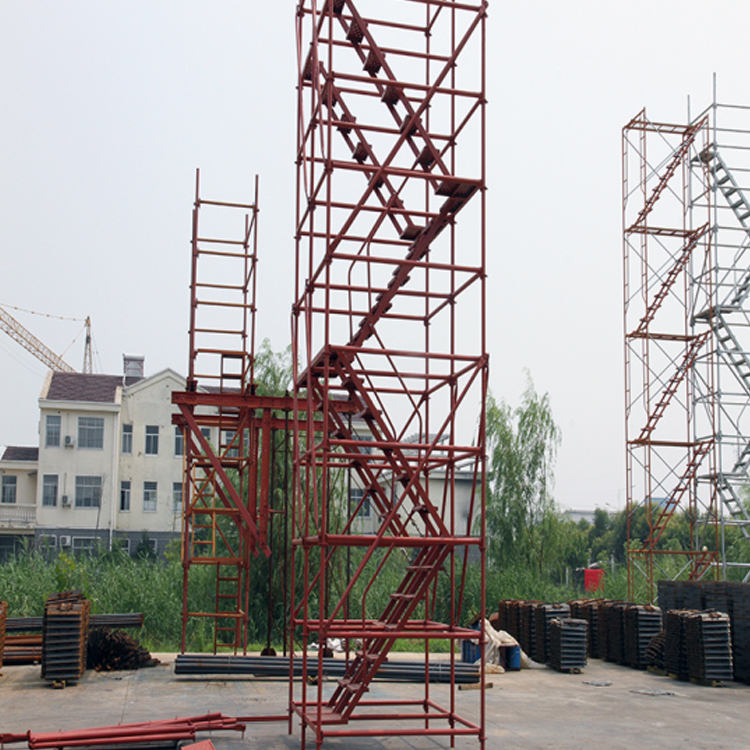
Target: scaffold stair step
x=352, y=687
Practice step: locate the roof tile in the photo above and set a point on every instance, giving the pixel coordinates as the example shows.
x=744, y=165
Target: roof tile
x=76, y=386
x=20, y=453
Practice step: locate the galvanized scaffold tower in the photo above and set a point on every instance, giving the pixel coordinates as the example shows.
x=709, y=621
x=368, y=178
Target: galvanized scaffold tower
x=727, y=159
x=668, y=285
x=389, y=334
x=687, y=324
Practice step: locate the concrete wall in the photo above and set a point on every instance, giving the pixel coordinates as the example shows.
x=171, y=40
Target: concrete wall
x=150, y=403
x=70, y=461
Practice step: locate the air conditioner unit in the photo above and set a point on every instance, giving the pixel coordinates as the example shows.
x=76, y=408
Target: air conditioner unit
x=69, y=441
x=65, y=541
x=66, y=501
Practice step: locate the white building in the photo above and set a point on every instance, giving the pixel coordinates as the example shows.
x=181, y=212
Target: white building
x=109, y=466
x=18, y=477
x=464, y=490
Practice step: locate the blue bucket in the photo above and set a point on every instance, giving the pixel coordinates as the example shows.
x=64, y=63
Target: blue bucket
x=513, y=658
x=470, y=652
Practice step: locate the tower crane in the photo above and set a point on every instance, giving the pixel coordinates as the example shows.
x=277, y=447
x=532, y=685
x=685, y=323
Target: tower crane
x=44, y=354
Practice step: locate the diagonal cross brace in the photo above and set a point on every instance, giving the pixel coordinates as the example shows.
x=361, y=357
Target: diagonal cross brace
x=233, y=501
x=679, y=154
x=679, y=264
x=674, y=499
x=671, y=388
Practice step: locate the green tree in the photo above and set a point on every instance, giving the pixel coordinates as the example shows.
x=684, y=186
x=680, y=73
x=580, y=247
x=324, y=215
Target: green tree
x=273, y=370
x=521, y=447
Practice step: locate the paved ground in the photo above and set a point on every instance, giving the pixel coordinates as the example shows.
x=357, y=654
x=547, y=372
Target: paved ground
x=526, y=710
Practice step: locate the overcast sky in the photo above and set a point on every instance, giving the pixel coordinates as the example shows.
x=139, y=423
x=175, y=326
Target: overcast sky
x=109, y=107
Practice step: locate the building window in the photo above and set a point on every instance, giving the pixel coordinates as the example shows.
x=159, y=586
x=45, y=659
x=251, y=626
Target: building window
x=88, y=492
x=47, y=542
x=124, y=497
x=53, y=427
x=127, y=438
x=85, y=545
x=179, y=441
x=123, y=545
x=49, y=490
x=152, y=440
x=91, y=432
x=149, y=497
x=8, y=494
x=230, y=440
x=177, y=497
x=206, y=432
x=355, y=497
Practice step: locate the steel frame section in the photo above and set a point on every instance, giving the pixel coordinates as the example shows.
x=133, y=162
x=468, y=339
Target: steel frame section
x=229, y=432
x=727, y=160
x=389, y=346
x=669, y=353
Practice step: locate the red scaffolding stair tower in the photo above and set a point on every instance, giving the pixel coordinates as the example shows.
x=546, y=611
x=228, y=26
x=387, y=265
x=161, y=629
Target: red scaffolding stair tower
x=389, y=333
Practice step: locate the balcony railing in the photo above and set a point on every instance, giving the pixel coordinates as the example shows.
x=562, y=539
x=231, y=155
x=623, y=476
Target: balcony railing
x=17, y=515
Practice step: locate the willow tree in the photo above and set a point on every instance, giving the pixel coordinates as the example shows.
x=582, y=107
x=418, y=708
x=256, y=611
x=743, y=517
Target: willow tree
x=522, y=524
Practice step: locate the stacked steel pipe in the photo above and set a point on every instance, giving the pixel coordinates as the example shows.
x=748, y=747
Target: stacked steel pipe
x=168, y=732
x=23, y=649
x=567, y=644
x=641, y=624
x=544, y=614
x=3, y=617
x=32, y=624
x=270, y=667
x=66, y=624
x=709, y=647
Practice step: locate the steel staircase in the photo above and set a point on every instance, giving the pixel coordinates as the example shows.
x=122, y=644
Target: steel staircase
x=673, y=501
x=378, y=257
x=353, y=686
x=720, y=319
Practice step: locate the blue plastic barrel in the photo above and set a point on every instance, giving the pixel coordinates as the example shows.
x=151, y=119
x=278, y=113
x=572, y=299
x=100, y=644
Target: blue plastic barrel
x=513, y=658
